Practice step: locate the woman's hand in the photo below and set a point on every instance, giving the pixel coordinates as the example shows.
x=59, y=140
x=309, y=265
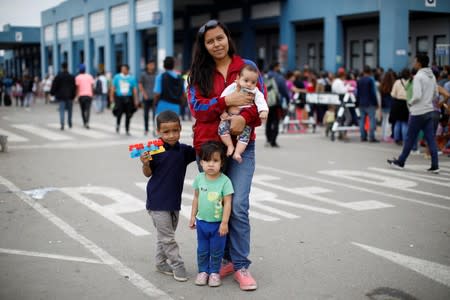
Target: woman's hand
x=239, y=99
x=237, y=124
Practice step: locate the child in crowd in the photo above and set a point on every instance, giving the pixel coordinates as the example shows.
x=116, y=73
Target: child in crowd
x=211, y=209
x=167, y=171
x=247, y=80
x=329, y=118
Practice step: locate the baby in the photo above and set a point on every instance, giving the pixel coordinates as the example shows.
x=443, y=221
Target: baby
x=247, y=79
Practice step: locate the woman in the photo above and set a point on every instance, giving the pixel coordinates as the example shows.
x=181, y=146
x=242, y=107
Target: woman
x=386, y=101
x=399, y=114
x=215, y=66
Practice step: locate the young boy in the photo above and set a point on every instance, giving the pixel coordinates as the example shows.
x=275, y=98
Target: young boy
x=247, y=80
x=167, y=171
x=211, y=209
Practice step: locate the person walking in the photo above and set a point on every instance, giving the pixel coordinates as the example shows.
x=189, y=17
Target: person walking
x=275, y=107
x=100, y=92
x=85, y=89
x=366, y=97
x=47, y=83
x=124, y=95
x=215, y=66
x=64, y=90
x=169, y=89
x=146, y=86
x=28, y=90
x=421, y=108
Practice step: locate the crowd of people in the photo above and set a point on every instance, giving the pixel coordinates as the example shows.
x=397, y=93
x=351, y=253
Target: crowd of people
x=229, y=96
x=382, y=99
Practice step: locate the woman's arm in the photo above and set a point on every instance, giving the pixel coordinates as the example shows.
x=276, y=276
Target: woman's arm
x=206, y=109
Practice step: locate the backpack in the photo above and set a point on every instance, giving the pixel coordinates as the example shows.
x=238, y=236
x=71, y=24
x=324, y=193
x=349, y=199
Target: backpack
x=273, y=95
x=172, y=88
x=98, y=90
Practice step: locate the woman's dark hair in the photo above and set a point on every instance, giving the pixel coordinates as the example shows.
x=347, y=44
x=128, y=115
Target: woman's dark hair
x=209, y=148
x=405, y=74
x=203, y=65
x=387, y=83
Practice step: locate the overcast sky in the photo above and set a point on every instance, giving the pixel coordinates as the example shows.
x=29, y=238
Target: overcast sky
x=24, y=12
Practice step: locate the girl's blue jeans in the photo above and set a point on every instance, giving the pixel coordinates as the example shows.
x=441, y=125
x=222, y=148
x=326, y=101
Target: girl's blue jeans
x=210, y=246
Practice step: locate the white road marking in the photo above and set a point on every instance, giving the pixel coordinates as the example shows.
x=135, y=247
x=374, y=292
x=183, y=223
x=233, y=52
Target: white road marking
x=13, y=137
x=78, y=145
x=312, y=193
x=262, y=195
x=186, y=209
x=357, y=188
x=53, y=256
x=380, y=180
x=137, y=280
x=432, y=270
x=108, y=128
x=123, y=203
x=39, y=194
x=42, y=132
x=418, y=177
x=91, y=133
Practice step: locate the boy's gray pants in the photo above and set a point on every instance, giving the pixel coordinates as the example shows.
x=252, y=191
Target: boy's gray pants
x=166, y=247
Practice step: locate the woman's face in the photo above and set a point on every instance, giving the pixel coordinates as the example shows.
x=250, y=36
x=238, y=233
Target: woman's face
x=216, y=42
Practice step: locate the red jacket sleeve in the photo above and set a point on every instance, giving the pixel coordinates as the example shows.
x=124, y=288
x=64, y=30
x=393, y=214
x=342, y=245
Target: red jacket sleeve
x=205, y=109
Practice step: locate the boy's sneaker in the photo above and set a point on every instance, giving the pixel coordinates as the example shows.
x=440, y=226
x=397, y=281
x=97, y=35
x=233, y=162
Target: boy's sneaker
x=214, y=280
x=164, y=268
x=226, y=269
x=245, y=280
x=179, y=274
x=433, y=170
x=202, y=278
x=395, y=163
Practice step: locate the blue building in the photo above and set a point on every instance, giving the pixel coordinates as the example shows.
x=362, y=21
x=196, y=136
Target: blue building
x=323, y=34
x=21, y=47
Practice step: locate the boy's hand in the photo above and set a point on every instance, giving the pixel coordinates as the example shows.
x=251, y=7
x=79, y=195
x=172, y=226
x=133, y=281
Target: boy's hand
x=223, y=229
x=145, y=157
x=192, y=223
x=263, y=115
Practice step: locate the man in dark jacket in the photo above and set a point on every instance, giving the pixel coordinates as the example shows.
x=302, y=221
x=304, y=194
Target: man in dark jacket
x=275, y=111
x=63, y=88
x=367, y=98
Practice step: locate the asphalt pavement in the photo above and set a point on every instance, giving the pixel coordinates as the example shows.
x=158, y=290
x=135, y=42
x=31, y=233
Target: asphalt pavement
x=330, y=220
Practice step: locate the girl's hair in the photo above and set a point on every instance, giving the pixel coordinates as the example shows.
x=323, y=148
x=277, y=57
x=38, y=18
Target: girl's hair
x=203, y=65
x=387, y=83
x=209, y=148
x=167, y=116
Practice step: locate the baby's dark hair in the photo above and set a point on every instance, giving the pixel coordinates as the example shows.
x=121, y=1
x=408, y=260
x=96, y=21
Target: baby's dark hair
x=166, y=117
x=209, y=148
x=248, y=67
